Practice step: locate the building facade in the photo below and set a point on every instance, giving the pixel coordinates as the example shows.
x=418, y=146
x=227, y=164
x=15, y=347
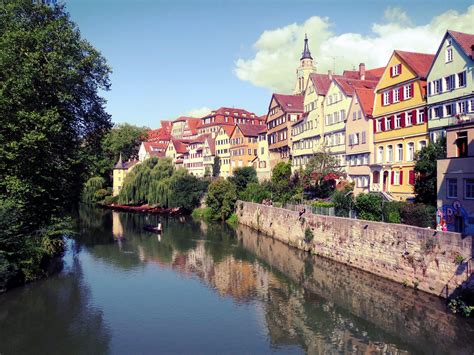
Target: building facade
x=360, y=139
x=121, y=170
x=243, y=145
x=455, y=179
x=262, y=161
x=400, y=123
x=451, y=83
x=222, y=146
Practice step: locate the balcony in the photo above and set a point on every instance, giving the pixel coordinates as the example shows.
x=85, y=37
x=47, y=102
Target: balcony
x=460, y=119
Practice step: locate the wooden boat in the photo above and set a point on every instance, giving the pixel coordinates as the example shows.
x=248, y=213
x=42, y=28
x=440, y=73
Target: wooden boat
x=152, y=228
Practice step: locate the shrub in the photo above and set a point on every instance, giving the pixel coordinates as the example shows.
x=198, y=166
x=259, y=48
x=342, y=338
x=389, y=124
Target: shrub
x=241, y=177
x=255, y=192
x=343, y=201
x=221, y=198
x=417, y=214
x=202, y=213
x=101, y=194
x=232, y=220
x=308, y=235
x=326, y=204
x=110, y=200
x=91, y=187
x=369, y=207
x=391, y=211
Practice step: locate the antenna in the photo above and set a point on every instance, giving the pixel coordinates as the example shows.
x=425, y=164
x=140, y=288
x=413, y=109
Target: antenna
x=334, y=63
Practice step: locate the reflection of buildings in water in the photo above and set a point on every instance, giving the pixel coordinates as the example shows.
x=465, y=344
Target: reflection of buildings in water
x=117, y=228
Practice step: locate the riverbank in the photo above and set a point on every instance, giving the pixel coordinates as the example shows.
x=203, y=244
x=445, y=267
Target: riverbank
x=144, y=209
x=431, y=261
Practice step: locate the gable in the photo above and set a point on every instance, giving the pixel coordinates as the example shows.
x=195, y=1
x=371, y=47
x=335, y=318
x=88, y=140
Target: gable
x=388, y=79
x=441, y=67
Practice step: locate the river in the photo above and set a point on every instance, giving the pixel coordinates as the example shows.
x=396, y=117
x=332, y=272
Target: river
x=210, y=289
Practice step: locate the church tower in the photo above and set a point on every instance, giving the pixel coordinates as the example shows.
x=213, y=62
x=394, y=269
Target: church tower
x=306, y=67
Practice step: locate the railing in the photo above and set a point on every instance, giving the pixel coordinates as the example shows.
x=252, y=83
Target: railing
x=319, y=210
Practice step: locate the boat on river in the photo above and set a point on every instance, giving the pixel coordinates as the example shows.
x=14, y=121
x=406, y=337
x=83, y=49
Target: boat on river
x=153, y=229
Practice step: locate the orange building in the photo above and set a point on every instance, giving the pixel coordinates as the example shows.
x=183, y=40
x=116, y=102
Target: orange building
x=244, y=144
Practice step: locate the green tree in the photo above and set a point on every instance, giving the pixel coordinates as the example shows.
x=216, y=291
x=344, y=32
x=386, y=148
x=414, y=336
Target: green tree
x=426, y=172
x=320, y=175
x=91, y=188
x=256, y=192
x=186, y=191
x=122, y=139
x=241, y=177
x=369, y=207
x=51, y=127
x=216, y=167
x=221, y=198
x=343, y=201
x=281, y=175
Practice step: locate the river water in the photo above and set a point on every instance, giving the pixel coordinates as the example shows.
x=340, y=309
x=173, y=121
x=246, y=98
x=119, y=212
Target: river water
x=210, y=289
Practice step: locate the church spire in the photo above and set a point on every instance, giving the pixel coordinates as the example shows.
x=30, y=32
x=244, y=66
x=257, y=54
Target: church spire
x=306, y=53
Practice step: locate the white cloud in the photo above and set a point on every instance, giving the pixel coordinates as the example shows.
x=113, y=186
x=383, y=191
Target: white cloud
x=278, y=51
x=197, y=112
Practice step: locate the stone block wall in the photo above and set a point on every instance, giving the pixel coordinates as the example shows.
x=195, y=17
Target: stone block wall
x=417, y=257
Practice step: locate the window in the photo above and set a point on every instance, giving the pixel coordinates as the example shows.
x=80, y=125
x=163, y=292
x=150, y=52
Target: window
x=420, y=117
x=396, y=69
x=437, y=86
x=449, y=109
x=461, y=79
x=461, y=143
x=396, y=95
x=388, y=125
x=422, y=144
x=407, y=92
x=438, y=112
x=462, y=106
x=399, y=152
x=449, y=55
x=449, y=82
x=356, y=138
x=343, y=115
x=411, y=151
x=451, y=188
x=396, y=177
x=408, y=119
x=469, y=189
x=379, y=125
x=398, y=121
x=363, y=138
x=386, y=98
x=389, y=154
x=380, y=155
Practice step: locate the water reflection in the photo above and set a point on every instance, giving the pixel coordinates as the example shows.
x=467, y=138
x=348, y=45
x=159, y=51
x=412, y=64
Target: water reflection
x=158, y=285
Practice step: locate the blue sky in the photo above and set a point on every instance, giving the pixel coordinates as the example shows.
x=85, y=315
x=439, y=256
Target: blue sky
x=171, y=57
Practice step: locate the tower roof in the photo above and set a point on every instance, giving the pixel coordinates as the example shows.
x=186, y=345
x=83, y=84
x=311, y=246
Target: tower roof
x=306, y=53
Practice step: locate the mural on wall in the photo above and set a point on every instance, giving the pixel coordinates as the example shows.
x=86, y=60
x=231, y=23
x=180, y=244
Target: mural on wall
x=452, y=217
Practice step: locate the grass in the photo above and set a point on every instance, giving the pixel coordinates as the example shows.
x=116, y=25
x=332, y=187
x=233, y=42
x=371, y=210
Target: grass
x=202, y=213
x=232, y=220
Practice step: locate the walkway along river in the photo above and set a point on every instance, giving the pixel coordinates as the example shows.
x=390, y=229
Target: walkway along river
x=206, y=288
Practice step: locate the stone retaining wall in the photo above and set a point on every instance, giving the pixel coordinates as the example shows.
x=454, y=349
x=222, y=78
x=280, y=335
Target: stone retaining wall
x=417, y=257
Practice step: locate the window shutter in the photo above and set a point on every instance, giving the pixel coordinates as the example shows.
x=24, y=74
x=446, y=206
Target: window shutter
x=425, y=116
x=402, y=117
x=392, y=179
x=392, y=122
x=411, y=177
x=401, y=177
x=375, y=126
x=383, y=124
x=391, y=72
x=413, y=117
x=454, y=109
x=401, y=93
x=412, y=90
x=381, y=97
x=390, y=97
x=399, y=69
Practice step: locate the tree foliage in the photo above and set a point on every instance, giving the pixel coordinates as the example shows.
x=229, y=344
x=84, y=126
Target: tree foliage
x=92, y=190
x=320, y=175
x=221, y=198
x=241, y=177
x=426, y=171
x=216, y=166
x=369, y=206
x=51, y=126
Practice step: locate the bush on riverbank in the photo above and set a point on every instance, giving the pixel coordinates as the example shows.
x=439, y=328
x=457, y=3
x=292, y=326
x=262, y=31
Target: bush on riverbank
x=221, y=198
x=202, y=213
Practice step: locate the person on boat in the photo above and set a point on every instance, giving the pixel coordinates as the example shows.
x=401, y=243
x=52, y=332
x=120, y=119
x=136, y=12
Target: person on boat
x=159, y=227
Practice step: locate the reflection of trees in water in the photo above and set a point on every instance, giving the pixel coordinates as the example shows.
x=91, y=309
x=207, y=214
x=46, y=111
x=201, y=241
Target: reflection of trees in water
x=53, y=316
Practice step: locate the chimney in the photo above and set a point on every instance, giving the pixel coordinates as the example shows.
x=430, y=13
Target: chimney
x=362, y=71
x=330, y=74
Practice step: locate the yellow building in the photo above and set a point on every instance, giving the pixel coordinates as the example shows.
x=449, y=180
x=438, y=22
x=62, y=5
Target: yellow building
x=222, y=147
x=307, y=132
x=209, y=153
x=400, y=123
x=121, y=169
x=262, y=160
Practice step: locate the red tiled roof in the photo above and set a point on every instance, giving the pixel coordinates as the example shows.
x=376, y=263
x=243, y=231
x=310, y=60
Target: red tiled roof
x=290, y=103
x=250, y=130
x=180, y=145
x=419, y=62
x=158, y=134
x=185, y=118
x=166, y=124
x=193, y=125
x=465, y=41
x=374, y=74
x=348, y=85
x=321, y=83
x=366, y=100
x=240, y=112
